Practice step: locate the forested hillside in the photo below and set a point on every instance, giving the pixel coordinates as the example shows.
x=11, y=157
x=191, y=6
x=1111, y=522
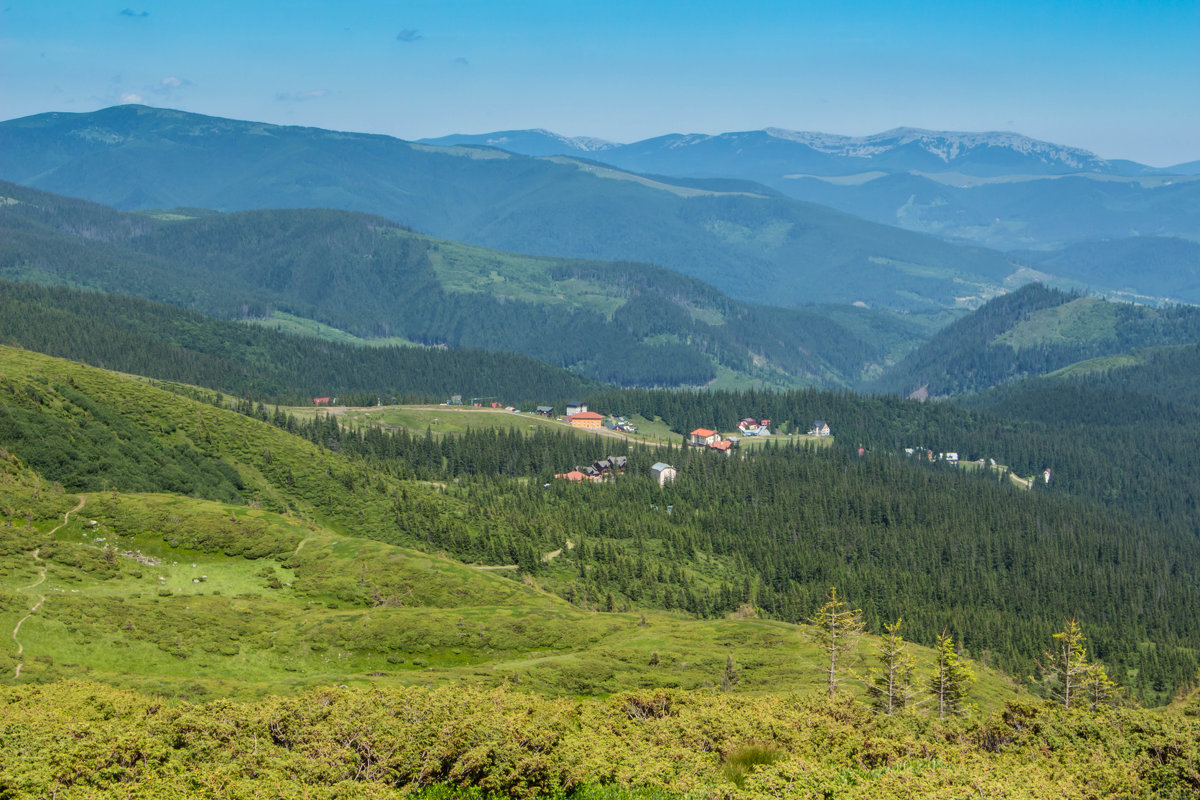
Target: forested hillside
x=773, y=530
x=630, y=324
x=1160, y=266
x=168, y=343
x=1032, y=331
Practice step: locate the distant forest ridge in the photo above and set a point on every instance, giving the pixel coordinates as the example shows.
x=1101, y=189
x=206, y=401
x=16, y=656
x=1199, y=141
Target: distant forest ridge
x=617, y=322
x=1031, y=332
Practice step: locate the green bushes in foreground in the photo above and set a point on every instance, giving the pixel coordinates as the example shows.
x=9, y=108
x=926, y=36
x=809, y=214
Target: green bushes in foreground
x=76, y=740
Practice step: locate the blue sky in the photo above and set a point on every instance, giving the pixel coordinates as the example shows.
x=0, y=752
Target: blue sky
x=1119, y=78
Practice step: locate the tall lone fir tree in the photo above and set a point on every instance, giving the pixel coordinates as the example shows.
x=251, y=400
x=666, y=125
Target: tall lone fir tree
x=836, y=627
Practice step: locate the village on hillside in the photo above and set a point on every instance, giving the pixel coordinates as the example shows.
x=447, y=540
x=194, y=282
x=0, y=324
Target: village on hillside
x=578, y=415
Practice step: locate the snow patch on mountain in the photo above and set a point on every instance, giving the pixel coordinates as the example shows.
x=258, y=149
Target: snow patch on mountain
x=588, y=144
x=946, y=145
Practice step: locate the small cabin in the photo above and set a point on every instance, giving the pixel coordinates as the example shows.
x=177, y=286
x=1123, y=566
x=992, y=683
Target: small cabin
x=663, y=473
x=703, y=437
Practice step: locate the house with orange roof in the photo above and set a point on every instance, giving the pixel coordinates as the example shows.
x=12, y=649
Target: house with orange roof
x=586, y=419
x=703, y=437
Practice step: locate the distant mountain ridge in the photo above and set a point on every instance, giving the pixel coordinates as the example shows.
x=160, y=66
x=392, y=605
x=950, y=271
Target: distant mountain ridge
x=898, y=150
x=755, y=246
x=996, y=189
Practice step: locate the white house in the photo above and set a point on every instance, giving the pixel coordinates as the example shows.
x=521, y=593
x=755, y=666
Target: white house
x=663, y=473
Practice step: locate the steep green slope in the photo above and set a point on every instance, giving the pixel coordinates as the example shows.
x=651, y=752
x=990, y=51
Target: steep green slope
x=1030, y=332
x=168, y=343
x=185, y=596
x=216, y=603
x=752, y=246
x=619, y=322
x=774, y=530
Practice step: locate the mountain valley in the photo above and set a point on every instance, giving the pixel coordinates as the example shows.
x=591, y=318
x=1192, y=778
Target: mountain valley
x=290, y=506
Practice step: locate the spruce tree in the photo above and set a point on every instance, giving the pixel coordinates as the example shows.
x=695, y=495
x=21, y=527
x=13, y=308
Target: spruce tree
x=1098, y=688
x=1065, y=665
x=950, y=678
x=890, y=688
x=836, y=626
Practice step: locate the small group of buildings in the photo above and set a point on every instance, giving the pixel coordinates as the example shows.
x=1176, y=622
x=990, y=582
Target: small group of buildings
x=623, y=425
x=579, y=416
x=703, y=437
x=948, y=457
x=952, y=458
x=597, y=471
x=755, y=427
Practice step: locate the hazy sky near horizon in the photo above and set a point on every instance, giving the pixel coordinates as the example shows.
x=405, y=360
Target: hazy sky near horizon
x=1119, y=78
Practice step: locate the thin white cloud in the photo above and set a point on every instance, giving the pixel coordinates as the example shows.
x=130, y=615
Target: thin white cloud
x=300, y=97
x=130, y=97
x=168, y=86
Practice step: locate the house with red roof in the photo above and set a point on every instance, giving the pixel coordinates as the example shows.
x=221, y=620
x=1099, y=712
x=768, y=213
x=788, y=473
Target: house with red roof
x=703, y=437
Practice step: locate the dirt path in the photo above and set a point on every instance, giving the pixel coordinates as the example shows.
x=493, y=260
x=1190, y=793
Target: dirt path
x=1024, y=484
x=553, y=554
x=41, y=597
x=546, y=559
x=300, y=546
